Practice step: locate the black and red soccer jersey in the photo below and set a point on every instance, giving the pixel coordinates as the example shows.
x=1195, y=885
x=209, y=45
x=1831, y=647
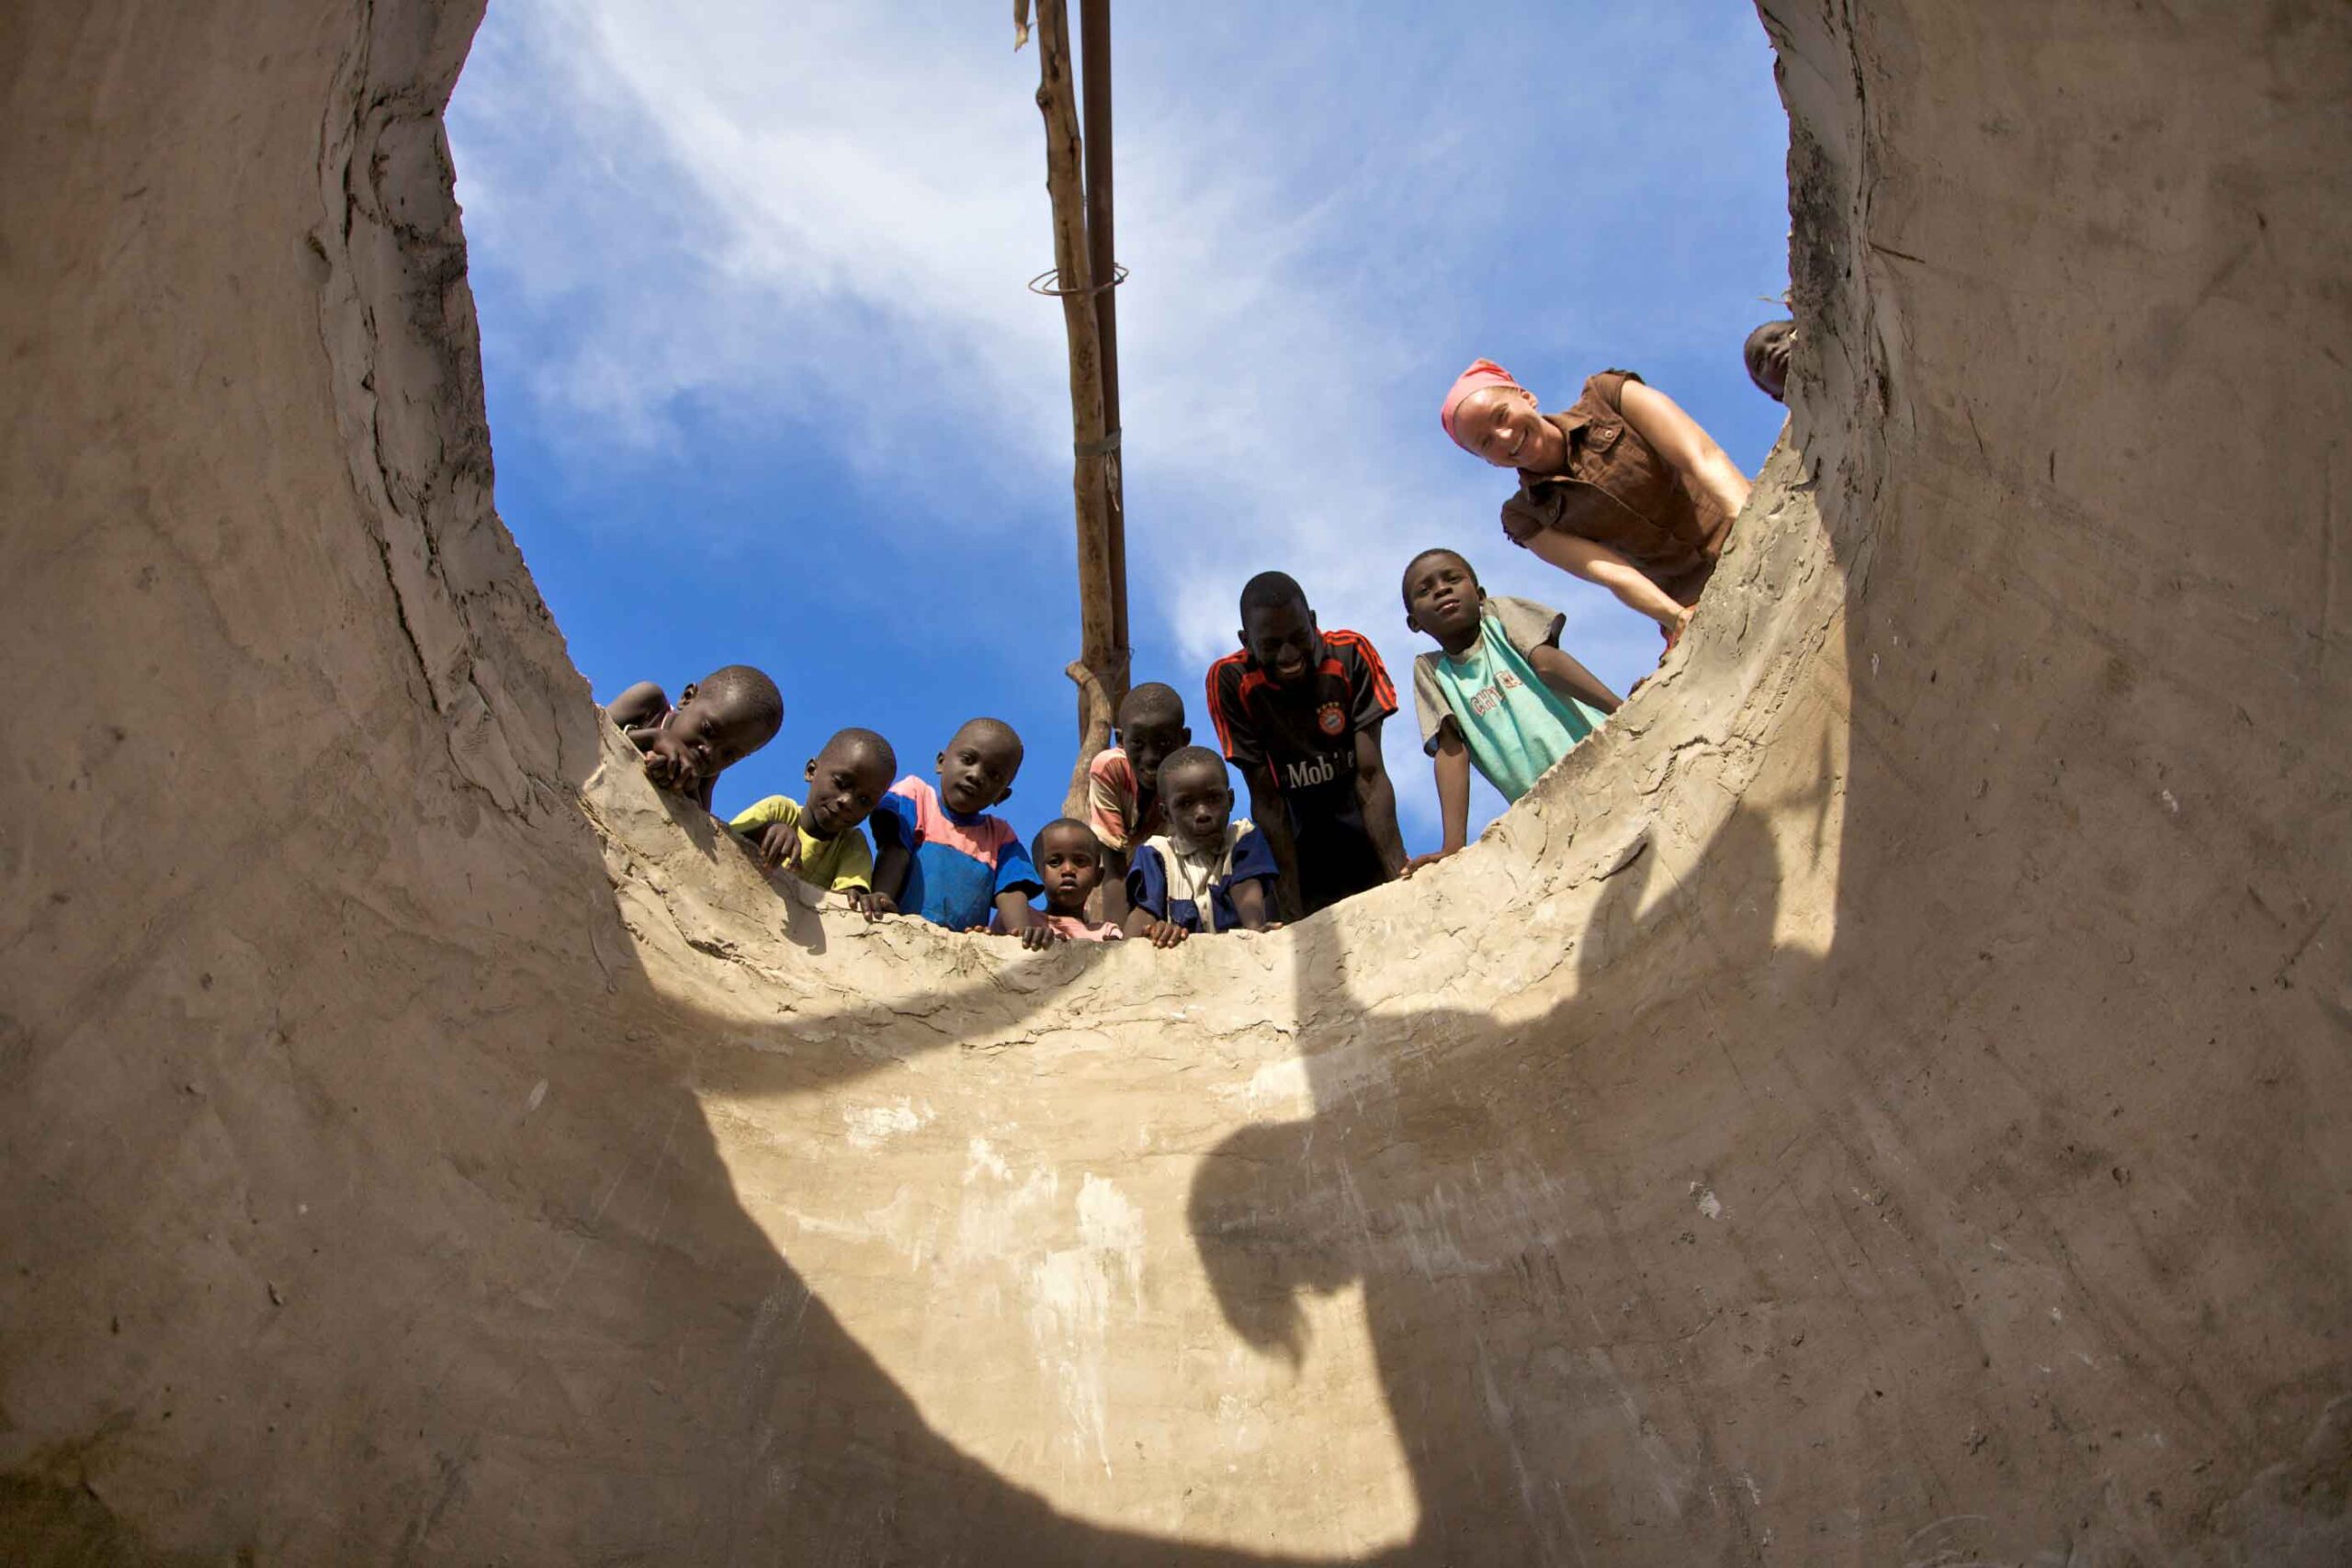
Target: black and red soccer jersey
x=1304, y=735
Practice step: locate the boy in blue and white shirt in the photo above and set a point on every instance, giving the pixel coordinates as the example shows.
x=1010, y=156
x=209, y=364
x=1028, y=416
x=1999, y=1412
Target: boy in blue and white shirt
x=1207, y=872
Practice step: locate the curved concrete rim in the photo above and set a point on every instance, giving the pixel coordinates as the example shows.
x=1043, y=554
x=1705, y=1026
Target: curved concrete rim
x=1880, y=1101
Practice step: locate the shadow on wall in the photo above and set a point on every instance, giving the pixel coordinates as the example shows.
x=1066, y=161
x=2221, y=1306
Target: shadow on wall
x=1494, y=1187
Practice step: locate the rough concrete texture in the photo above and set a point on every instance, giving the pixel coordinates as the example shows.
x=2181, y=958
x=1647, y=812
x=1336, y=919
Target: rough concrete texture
x=1885, y=1101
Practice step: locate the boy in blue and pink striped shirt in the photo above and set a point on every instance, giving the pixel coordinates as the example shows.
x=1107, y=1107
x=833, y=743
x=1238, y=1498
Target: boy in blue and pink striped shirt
x=939, y=855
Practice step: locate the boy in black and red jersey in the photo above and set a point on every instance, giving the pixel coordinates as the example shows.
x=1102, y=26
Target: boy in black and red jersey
x=1298, y=710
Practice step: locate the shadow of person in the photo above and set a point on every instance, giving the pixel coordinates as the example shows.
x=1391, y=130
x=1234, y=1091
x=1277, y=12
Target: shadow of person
x=1525, y=1201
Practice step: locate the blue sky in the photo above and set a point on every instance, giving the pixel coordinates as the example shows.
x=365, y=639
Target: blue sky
x=766, y=386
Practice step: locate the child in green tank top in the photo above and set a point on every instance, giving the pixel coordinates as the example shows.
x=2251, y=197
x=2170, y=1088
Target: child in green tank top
x=1499, y=695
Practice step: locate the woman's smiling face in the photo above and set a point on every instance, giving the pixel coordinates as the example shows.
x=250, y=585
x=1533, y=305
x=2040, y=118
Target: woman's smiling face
x=1503, y=425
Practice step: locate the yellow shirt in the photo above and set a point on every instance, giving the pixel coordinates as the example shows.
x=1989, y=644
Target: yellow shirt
x=842, y=864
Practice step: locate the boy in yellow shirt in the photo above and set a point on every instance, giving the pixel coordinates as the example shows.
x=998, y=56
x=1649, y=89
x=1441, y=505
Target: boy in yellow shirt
x=822, y=841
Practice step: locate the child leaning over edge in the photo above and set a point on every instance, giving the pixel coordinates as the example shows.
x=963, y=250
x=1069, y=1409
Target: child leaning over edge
x=1498, y=694
x=1122, y=784
x=1298, y=710
x=939, y=855
x=821, y=842
x=1207, y=872
x=720, y=720
x=1071, y=864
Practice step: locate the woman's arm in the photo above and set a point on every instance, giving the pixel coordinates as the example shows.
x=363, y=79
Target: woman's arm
x=1597, y=563
x=1690, y=450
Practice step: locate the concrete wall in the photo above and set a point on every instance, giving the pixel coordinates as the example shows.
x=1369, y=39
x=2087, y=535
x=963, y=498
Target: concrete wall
x=1883, y=1101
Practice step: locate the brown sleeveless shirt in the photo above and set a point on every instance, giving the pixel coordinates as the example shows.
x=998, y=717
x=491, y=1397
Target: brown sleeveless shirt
x=1616, y=490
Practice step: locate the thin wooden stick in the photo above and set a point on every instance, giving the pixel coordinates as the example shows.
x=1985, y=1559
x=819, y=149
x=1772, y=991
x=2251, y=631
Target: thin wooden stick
x=1096, y=714
x=1073, y=262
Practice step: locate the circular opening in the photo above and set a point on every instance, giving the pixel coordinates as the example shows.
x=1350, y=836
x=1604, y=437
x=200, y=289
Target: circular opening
x=767, y=387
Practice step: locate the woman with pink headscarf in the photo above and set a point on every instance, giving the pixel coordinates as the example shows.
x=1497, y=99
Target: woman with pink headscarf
x=1621, y=488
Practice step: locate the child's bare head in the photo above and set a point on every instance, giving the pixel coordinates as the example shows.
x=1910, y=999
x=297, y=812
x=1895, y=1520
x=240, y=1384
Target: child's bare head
x=1198, y=795
x=1442, y=597
x=846, y=781
x=1767, y=354
x=1069, y=862
x=1278, y=627
x=723, y=719
x=1151, y=725
x=977, y=770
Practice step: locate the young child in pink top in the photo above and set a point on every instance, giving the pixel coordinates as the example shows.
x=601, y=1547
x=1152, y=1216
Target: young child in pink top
x=1123, y=782
x=1070, y=863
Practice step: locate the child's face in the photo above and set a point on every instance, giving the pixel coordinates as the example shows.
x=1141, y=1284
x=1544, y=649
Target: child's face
x=846, y=782
x=1442, y=597
x=709, y=736
x=1199, y=804
x=1284, y=641
x=1768, y=359
x=976, y=769
x=1069, y=862
x=1148, y=742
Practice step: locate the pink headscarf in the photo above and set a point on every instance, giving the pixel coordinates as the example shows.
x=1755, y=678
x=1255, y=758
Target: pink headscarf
x=1482, y=373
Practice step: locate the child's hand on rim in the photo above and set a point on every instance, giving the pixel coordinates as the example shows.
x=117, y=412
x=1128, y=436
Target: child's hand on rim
x=1165, y=933
x=671, y=769
x=780, y=847
x=872, y=905
x=1040, y=936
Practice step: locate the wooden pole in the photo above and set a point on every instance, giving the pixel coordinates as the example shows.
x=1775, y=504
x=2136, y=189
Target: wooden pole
x=1094, y=89
x=1099, y=649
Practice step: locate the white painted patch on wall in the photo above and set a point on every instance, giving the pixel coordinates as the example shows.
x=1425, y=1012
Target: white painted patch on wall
x=1277, y=1090
x=981, y=1156
x=1070, y=1295
x=1110, y=1225
x=870, y=1126
x=1709, y=1204
x=996, y=1218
